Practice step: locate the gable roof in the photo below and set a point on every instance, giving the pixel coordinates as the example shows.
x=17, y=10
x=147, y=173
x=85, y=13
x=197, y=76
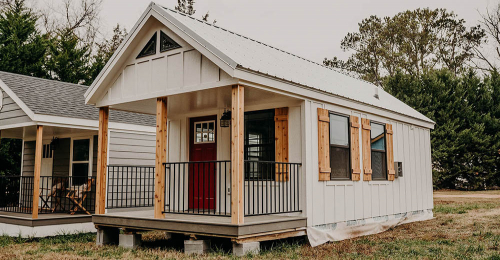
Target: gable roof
x=240, y=53
x=56, y=98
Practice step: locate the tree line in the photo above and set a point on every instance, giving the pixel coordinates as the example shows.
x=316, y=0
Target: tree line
x=431, y=61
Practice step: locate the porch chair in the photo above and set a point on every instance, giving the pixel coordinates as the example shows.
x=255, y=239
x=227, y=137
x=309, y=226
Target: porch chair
x=54, y=196
x=77, y=195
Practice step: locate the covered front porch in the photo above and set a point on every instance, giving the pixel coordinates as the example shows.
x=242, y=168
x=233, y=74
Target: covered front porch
x=228, y=164
x=57, y=177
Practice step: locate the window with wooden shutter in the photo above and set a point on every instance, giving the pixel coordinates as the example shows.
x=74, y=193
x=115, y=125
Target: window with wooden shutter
x=366, y=147
x=390, y=152
x=355, y=161
x=324, y=144
x=281, y=137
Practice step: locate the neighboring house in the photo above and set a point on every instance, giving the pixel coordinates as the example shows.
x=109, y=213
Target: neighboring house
x=254, y=143
x=52, y=116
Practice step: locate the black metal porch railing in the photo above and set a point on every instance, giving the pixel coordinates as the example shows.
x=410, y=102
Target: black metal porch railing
x=130, y=186
x=16, y=193
x=199, y=188
x=271, y=188
x=57, y=194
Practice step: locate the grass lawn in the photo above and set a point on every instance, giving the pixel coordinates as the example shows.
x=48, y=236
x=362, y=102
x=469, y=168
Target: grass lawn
x=464, y=228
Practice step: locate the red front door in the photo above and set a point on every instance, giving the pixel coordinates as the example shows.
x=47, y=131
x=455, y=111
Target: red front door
x=202, y=157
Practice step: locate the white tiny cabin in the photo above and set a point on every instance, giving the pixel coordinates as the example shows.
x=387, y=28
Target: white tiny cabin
x=254, y=131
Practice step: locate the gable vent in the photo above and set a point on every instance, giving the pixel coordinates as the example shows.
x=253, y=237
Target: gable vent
x=149, y=49
x=166, y=43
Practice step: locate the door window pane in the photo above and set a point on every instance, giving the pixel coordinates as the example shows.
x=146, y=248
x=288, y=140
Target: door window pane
x=204, y=132
x=81, y=150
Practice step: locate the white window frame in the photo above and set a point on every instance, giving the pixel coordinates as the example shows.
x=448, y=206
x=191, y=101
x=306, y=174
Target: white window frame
x=214, y=131
x=90, y=161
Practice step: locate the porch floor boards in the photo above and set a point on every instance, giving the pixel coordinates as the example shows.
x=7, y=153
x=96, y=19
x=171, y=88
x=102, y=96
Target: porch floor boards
x=218, y=226
x=25, y=219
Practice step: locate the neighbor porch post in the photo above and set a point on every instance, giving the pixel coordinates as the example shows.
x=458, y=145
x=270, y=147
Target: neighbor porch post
x=237, y=125
x=161, y=156
x=102, y=159
x=38, y=168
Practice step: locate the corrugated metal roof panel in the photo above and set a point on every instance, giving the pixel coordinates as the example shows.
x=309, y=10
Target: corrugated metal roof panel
x=254, y=55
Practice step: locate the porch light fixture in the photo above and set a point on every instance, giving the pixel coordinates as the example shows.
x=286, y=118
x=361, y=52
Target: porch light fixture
x=225, y=119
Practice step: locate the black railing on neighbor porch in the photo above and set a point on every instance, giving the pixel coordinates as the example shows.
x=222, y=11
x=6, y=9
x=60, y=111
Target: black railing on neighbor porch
x=199, y=188
x=57, y=194
x=130, y=186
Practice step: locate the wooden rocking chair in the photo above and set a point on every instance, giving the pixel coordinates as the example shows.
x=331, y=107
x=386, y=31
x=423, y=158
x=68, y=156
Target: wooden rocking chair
x=77, y=195
x=53, y=197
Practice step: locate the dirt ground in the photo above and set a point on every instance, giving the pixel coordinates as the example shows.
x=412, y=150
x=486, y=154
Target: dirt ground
x=466, y=226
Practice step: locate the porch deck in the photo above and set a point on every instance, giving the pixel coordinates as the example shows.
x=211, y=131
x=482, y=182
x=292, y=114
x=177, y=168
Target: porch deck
x=201, y=224
x=23, y=219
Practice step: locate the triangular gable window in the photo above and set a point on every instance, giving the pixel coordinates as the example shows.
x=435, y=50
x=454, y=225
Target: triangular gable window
x=166, y=43
x=149, y=49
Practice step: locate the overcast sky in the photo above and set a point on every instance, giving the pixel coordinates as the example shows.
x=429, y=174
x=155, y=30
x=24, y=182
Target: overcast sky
x=312, y=29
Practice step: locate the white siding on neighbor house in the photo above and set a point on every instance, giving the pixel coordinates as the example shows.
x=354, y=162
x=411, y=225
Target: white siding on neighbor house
x=132, y=149
x=340, y=201
x=11, y=113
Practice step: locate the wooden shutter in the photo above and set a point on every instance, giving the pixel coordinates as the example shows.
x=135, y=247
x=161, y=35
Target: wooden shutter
x=355, y=168
x=324, y=144
x=390, y=152
x=281, y=141
x=366, y=146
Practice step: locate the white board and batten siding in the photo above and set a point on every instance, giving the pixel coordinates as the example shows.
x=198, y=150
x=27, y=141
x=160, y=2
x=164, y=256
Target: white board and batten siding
x=164, y=73
x=342, y=201
x=10, y=112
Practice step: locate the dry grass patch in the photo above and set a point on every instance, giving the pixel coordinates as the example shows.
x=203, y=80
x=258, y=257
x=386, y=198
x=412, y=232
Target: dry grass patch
x=464, y=228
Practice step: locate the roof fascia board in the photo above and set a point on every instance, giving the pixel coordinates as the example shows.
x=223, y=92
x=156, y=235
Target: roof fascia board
x=215, y=55
x=79, y=123
x=204, y=86
x=117, y=54
x=16, y=99
x=4, y=127
x=252, y=79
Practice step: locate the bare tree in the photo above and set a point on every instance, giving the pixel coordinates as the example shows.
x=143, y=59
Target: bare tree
x=81, y=18
x=487, y=58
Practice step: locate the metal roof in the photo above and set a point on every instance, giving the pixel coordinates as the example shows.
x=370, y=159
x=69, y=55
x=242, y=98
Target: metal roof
x=56, y=98
x=246, y=53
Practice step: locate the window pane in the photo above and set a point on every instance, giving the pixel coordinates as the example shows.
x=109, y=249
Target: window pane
x=259, y=143
x=377, y=137
x=339, y=132
x=198, y=128
x=80, y=173
x=211, y=126
x=81, y=150
x=205, y=127
x=339, y=160
x=379, y=171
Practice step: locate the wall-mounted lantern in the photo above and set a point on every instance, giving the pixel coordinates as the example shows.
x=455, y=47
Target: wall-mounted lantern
x=225, y=119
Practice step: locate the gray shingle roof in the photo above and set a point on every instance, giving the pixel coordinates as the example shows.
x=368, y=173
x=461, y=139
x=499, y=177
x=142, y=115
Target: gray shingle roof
x=56, y=98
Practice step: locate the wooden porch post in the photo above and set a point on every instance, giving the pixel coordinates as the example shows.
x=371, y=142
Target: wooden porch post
x=161, y=156
x=102, y=159
x=237, y=125
x=38, y=168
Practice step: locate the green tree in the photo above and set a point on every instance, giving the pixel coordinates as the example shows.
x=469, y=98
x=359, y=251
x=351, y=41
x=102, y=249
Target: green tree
x=22, y=46
x=10, y=156
x=411, y=42
x=68, y=59
x=465, y=141
x=105, y=50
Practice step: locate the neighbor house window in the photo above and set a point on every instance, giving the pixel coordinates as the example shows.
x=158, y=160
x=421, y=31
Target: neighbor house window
x=259, y=144
x=339, y=147
x=379, y=165
x=80, y=161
